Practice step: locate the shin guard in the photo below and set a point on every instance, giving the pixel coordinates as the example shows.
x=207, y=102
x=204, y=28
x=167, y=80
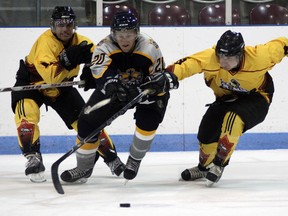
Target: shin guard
x=207, y=153
x=232, y=129
x=87, y=155
x=27, y=138
x=141, y=143
x=107, y=149
x=27, y=116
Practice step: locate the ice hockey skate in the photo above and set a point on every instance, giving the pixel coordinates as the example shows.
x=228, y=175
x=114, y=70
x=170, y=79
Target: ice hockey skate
x=35, y=168
x=132, y=167
x=76, y=175
x=193, y=174
x=214, y=174
x=116, y=166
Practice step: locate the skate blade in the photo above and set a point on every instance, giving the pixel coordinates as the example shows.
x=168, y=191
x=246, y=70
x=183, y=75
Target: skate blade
x=209, y=183
x=37, y=177
x=126, y=181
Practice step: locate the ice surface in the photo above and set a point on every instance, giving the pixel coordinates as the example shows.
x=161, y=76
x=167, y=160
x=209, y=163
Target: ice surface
x=255, y=183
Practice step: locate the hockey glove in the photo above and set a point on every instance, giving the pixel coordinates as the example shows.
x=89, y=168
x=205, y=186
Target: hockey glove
x=160, y=83
x=23, y=74
x=75, y=55
x=88, y=78
x=133, y=92
x=286, y=50
x=115, y=90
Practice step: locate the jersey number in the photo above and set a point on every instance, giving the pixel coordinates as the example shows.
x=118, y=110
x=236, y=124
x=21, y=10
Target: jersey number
x=159, y=65
x=98, y=59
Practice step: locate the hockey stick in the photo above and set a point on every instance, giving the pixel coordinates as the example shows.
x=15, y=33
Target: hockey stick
x=55, y=165
x=42, y=86
x=98, y=105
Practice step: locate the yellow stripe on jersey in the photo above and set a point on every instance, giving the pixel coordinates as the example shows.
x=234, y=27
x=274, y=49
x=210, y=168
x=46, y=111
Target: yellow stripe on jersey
x=144, y=135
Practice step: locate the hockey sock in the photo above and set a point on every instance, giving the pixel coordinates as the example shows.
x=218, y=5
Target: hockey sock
x=207, y=153
x=141, y=143
x=232, y=129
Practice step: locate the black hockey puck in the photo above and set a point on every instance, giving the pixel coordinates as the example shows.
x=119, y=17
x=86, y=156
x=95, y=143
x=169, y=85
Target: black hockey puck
x=125, y=205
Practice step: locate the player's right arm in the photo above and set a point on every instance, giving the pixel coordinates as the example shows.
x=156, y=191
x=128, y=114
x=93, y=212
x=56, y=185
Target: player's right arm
x=43, y=63
x=204, y=61
x=101, y=64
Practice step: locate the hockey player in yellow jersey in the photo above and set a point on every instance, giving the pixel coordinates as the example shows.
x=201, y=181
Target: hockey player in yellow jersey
x=239, y=78
x=121, y=63
x=55, y=58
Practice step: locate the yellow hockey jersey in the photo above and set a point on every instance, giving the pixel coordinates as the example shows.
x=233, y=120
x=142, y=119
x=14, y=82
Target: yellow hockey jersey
x=252, y=74
x=42, y=61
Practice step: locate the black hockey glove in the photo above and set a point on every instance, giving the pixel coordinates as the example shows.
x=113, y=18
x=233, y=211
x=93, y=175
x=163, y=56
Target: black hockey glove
x=23, y=75
x=133, y=91
x=88, y=78
x=75, y=55
x=115, y=90
x=160, y=83
x=286, y=50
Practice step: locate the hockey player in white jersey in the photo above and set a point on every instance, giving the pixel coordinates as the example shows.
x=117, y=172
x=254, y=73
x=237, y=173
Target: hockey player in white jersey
x=123, y=64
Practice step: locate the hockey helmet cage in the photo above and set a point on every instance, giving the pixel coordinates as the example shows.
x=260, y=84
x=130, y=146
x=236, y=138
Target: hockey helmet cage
x=63, y=14
x=123, y=21
x=230, y=44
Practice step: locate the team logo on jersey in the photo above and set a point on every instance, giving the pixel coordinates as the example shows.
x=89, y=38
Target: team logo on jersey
x=233, y=86
x=130, y=77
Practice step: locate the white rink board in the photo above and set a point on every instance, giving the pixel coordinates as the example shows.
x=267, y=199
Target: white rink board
x=187, y=104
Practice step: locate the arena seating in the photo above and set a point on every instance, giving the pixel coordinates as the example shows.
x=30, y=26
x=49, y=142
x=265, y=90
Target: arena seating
x=215, y=15
x=169, y=15
x=268, y=14
x=110, y=10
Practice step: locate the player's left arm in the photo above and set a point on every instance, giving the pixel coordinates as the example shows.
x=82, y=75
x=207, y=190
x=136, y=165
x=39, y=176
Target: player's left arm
x=160, y=80
x=277, y=49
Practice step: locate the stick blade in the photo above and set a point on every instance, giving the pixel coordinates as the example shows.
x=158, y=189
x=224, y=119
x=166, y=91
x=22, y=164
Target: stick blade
x=97, y=106
x=55, y=178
